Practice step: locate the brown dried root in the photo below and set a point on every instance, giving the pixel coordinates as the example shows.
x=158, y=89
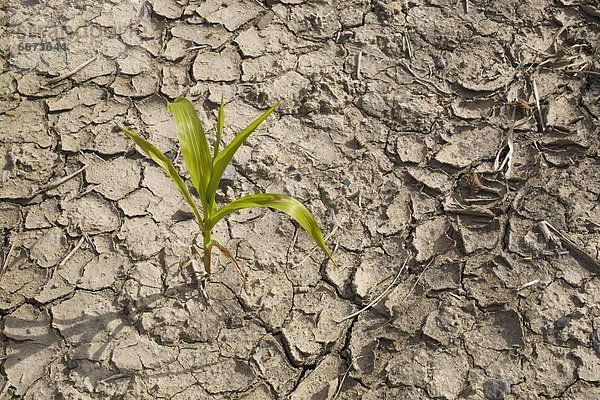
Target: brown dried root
x=200, y=277
x=229, y=255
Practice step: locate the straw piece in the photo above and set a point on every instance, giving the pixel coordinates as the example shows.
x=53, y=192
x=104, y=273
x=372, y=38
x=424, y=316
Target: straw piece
x=378, y=298
x=71, y=73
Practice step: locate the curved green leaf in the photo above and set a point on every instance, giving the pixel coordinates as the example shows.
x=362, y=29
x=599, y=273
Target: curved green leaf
x=280, y=202
x=167, y=165
x=220, y=125
x=224, y=157
x=194, y=145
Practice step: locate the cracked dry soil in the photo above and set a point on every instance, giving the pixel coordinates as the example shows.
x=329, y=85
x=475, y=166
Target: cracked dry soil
x=390, y=110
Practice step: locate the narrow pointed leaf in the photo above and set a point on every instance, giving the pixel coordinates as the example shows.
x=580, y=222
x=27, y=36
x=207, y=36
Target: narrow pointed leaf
x=194, y=145
x=220, y=125
x=224, y=157
x=280, y=202
x=167, y=165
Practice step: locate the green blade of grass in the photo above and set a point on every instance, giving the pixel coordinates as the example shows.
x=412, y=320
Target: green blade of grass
x=280, y=202
x=167, y=165
x=220, y=125
x=194, y=145
x=224, y=157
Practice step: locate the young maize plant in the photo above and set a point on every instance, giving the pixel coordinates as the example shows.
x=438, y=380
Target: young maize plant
x=205, y=171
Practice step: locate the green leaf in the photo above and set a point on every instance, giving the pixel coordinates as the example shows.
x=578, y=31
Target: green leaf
x=167, y=165
x=224, y=158
x=194, y=145
x=280, y=202
x=220, y=125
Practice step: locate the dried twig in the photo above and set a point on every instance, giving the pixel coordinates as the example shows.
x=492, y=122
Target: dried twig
x=417, y=281
x=7, y=356
x=329, y=235
x=394, y=317
x=339, y=389
x=5, y=263
x=115, y=377
x=5, y=390
x=454, y=207
x=378, y=298
x=68, y=256
x=546, y=228
x=423, y=81
x=191, y=48
x=526, y=285
x=507, y=161
x=571, y=71
x=59, y=182
x=358, y=64
x=409, y=50
x=549, y=236
x=260, y=4
x=537, y=105
x=559, y=32
x=71, y=73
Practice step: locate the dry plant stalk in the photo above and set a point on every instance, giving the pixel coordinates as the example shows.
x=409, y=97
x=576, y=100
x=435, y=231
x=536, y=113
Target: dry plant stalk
x=378, y=298
x=554, y=236
x=506, y=151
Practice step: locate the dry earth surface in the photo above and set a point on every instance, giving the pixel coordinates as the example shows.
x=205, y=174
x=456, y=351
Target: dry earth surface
x=390, y=110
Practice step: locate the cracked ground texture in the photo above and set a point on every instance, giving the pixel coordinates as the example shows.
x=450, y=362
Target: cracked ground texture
x=392, y=116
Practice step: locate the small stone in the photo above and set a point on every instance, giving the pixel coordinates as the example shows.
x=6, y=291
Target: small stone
x=496, y=389
x=170, y=154
x=228, y=177
x=347, y=182
x=562, y=322
x=72, y=364
x=439, y=62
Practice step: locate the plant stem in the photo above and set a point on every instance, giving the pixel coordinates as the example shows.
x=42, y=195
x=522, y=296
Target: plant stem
x=206, y=247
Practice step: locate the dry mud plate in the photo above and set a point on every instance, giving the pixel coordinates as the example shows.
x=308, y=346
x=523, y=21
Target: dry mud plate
x=448, y=148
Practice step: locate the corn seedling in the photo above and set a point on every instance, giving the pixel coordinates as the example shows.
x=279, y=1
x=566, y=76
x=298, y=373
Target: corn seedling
x=205, y=170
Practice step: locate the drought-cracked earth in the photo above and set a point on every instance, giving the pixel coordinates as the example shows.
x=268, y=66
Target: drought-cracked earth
x=448, y=148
